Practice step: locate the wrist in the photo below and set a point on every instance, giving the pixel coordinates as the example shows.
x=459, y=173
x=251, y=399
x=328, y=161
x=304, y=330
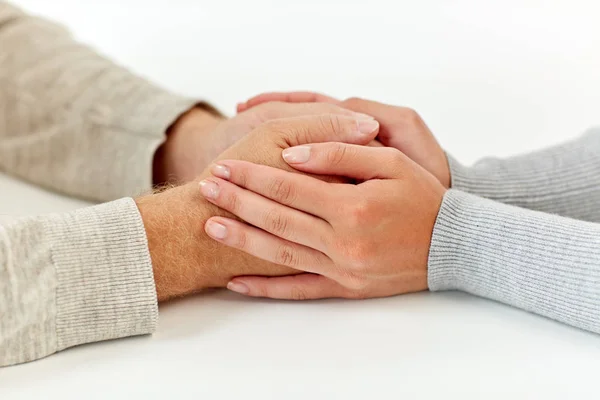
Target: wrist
x=173, y=222
x=171, y=158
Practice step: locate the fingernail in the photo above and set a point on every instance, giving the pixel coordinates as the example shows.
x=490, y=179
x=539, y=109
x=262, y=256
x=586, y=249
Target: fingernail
x=363, y=116
x=367, y=126
x=209, y=189
x=216, y=230
x=221, y=171
x=238, y=287
x=297, y=154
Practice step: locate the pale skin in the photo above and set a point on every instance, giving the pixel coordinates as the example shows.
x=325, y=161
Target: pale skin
x=369, y=239
x=352, y=240
x=401, y=128
x=184, y=258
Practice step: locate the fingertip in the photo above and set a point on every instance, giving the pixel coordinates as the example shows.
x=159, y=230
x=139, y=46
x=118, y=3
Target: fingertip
x=241, y=107
x=368, y=126
x=215, y=229
x=221, y=171
x=238, y=287
x=296, y=154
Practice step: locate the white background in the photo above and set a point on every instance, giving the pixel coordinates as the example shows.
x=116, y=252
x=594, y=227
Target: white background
x=489, y=77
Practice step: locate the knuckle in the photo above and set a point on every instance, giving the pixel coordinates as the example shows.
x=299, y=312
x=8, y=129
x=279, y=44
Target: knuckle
x=284, y=132
x=360, y=255
x=411, y=115
x=394, y=155
x=359, y=293
x=277, y=223
x=336, y=154
x=241, y=240
x=361, y=212
x=261, y=291
x=281, y=191
x=357, y=254
x=297, y=293
x=353, y=103
x=286, y=255
x=232, y=202
x=242, y=177
x=395, y=159
x=331, y=123
x=351, y=279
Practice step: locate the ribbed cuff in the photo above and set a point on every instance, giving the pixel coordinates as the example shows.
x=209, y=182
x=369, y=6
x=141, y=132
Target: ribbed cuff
x=538, y=262
x=563, y=179
x=105, y=280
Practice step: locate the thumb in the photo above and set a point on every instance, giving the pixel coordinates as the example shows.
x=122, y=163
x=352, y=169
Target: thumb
x=324, y=128
x=352, y=161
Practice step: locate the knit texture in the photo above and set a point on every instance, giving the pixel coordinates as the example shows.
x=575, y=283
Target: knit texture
x=539, y=262
x=70, y=119
x=74, y=122
x=563, y=179
x=74, y=278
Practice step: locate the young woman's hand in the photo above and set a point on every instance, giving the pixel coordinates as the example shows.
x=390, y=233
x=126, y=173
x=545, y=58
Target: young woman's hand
x=401, y=128
x=368, y=239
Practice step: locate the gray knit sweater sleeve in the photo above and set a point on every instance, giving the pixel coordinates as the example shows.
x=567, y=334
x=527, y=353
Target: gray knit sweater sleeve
x=539, y=262
x=563, y=179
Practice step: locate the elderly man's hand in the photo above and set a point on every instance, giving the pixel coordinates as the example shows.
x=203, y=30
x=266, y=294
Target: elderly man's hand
x=200, y=135
x=184, y=258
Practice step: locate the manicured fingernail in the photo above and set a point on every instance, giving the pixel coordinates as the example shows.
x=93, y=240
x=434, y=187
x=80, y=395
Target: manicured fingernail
x=216, y=230
x=367, y=126
x=363, y=116
x=296, y=155
x=238, y=287
x=209, y=189
x=221, y=171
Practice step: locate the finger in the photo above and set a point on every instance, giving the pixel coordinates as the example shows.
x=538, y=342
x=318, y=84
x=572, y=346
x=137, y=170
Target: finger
x=323, y=128
x=281, y=221
x=294, y=190
x=277, y=109
x=398, y=123
x=375, y=143
x=352, y=161
x=263, y=245
x=296, y=287
x=287, y=97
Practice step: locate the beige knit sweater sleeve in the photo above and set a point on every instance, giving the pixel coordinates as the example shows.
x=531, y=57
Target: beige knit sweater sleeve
x=74, y=122
x=70, y=119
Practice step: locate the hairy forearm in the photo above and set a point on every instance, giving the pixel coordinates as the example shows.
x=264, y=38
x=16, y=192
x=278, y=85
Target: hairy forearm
x=184, y=258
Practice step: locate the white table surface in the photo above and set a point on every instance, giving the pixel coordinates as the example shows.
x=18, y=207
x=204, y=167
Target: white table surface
x=488, y=77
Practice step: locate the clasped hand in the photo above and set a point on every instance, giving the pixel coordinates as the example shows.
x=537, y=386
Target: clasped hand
x=368, y=237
